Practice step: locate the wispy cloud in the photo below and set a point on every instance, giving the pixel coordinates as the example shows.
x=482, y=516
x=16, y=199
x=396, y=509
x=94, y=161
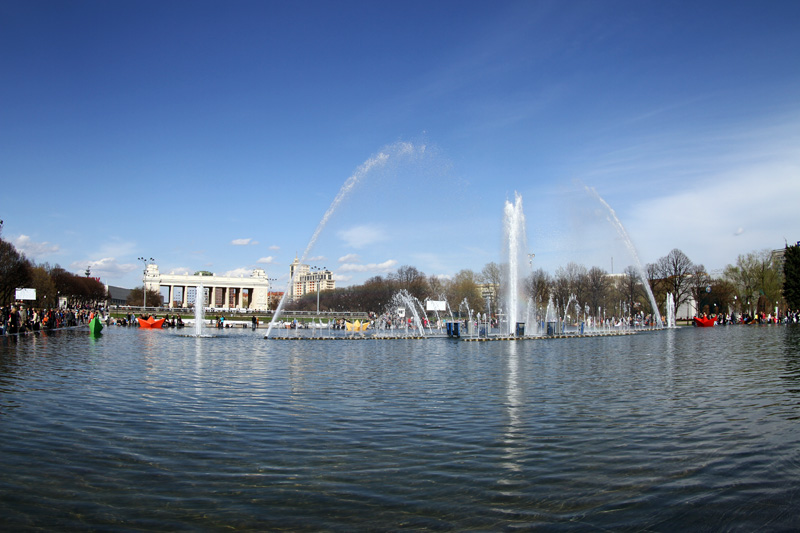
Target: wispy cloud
x=350, y=258
x=107, y=267
x=716, y=222
x=386, y=266
x=269, y=260
x=361, y=236
x=275, y=247
x=243, y=242
x=32, y=249
x=239, y=272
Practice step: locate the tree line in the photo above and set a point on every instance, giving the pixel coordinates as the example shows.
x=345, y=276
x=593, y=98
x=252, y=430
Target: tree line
x=756, y=283
x=51, y=283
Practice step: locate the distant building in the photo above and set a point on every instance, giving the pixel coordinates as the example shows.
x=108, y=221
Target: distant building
x=117, y=295
x=308, y=280
x=226, y=292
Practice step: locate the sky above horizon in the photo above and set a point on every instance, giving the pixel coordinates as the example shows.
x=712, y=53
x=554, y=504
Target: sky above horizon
x=223, y=136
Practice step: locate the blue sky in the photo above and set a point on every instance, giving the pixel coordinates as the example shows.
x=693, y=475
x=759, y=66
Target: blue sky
x=215, y=135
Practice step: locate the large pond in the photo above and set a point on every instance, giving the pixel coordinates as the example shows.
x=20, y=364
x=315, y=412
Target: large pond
x=686, y=429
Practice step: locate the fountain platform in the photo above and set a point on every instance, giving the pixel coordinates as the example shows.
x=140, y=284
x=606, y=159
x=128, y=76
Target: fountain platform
x=463, y=339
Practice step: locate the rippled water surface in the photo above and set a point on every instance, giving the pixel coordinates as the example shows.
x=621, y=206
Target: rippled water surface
x=691, y=429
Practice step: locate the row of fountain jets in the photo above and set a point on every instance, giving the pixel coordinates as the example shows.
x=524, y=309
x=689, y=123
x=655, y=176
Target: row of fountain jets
x=519, y=308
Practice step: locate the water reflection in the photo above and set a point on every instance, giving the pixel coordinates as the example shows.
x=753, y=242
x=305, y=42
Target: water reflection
x=512, y=437
x=155, y=431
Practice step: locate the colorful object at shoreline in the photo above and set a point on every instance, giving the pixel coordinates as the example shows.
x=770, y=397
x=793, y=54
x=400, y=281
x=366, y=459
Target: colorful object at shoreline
x=151, y=323
x=704, y=322
x=95, y=326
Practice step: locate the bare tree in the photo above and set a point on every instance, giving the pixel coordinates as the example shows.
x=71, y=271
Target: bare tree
x=570, y=281
x=412, y=280
x=630, y=287
x=674, y=271
x=492, y=276
x=597, y=286
x=538, y=286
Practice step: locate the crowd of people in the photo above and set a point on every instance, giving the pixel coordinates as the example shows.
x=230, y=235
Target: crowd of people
x=789, y=317
x=21, y=319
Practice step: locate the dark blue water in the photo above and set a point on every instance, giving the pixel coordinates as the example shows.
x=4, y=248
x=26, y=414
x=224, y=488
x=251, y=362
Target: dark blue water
x=692, y=429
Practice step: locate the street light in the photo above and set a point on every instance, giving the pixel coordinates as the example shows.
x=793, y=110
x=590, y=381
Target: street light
x=269, y=280
x=318, y=277
x=144, y=280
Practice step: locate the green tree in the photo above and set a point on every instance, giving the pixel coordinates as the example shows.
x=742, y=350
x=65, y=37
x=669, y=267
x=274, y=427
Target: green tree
x=15, y=271
x=791, y=276
x=154, y=298
x=464, y=285
x=45, y=288
x=757, y=279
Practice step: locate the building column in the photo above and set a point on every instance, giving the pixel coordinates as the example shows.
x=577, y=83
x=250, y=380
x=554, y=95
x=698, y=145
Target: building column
x=171, y=293
x=212, y=297
x=185, y=297
x=239, y=298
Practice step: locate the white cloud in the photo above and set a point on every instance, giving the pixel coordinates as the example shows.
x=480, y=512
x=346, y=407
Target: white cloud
x=239, y=272
x=316, y=258
x=182, y=271
x=350, y=258
x=360, y=236
x=343, y=278
x=107, y=267
x=708, y=222
x=269, y=260
x=32, y=249
x=274, y=247
x=386, y=266
x=243, y=242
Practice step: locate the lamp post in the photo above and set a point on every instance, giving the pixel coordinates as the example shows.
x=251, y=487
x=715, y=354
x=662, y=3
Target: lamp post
x=318, y=274
x=144, y=280
x=269, y=285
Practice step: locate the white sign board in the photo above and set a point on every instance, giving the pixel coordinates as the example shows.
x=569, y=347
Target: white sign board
x=435, y=305
x=26, y=294
x=401, y=312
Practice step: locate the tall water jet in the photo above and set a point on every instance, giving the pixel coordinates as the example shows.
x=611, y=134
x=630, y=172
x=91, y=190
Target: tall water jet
x=670, y=310
x=516, y=247
x=612, y=218
x=199, y=303
x=398, y=149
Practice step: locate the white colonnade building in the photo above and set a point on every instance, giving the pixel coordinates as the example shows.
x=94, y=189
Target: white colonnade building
x=224, y=292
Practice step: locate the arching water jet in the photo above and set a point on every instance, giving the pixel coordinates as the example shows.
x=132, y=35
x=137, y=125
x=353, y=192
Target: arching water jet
x=379, y=160
x=612, y=218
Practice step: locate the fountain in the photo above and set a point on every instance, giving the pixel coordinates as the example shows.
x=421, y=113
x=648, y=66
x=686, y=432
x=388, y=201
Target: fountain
x=404, y=299
x=514, y=226
x=612, y=218
x=670, y=310
x=199, y=302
